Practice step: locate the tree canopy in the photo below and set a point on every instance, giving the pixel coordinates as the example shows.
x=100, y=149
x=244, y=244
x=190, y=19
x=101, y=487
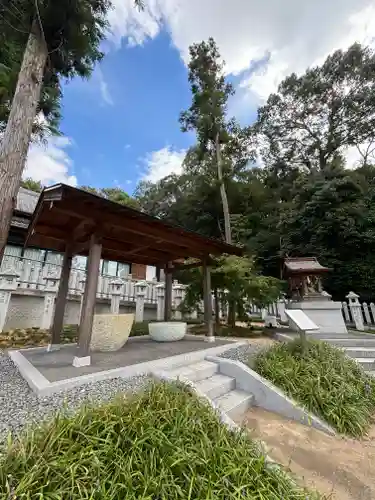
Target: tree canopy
x=305, y=199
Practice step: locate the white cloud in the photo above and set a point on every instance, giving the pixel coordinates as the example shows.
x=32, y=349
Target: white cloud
x=103, y=86
x=293, y=34
x=159, y=164
x=50, y=163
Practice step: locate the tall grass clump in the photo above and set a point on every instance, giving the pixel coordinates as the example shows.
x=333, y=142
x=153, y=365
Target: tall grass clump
x=324, y=380
x=163, y=443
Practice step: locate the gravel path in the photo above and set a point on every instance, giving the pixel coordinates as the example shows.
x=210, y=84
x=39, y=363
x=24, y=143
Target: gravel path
x=20, y=406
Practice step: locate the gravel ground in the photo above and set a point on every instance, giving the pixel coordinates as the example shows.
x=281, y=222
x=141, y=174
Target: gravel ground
x=245, y=352
x=20, y=406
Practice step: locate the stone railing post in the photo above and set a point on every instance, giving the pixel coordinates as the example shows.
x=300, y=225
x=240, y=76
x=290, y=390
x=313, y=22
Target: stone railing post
x=160, y=292
x=345, y=311
x=82, y=283
x=140, y=293
x=356, y=310
x=178, y=291
x=8, y=283
x=50, y=292
x=115, y=287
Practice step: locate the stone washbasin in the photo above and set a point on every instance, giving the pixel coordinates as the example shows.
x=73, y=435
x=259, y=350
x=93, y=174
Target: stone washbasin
x=167, y=331
x=110, y=332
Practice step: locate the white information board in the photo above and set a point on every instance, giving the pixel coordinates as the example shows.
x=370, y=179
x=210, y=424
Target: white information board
x=301, y=320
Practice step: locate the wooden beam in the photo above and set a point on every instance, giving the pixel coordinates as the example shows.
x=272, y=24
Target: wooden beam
x=51, y=232
x=141, y=227
x=88, y=308
x=61, y=297
x=83, y=230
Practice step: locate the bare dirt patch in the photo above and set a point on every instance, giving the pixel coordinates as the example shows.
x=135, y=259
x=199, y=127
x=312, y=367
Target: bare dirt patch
x=340, y=468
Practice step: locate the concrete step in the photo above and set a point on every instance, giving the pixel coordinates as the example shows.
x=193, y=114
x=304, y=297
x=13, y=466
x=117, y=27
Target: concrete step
x=195, y=371
x=360, y=352
x=361, y=342
x=235, y=402
x=216, y=386
x=368, y=364
x=372, y=373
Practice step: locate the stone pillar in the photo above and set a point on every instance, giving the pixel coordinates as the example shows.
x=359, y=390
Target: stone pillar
x=140, y=293
x=8, y=283
x=85, y=327
x=356, y=310
x=49, y=302
x=281, y=309
x=178, y=290
x=160, y=289
x=168, y=293
x=208, y=303
x=116, y=287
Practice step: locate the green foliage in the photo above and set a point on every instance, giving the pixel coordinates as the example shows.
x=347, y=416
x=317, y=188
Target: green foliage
x=32, y=185
x=325, y=381
x=162, y=443
x=236, y=280
x=312, y=118
x=113, y=194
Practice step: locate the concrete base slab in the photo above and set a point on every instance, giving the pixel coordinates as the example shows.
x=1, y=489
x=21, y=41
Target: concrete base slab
x=78, y=362
x=48, y=373
x=53, y=347
x=210, y=339
x=326, y=314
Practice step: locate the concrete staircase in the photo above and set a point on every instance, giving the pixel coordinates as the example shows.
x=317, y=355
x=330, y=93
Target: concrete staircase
x=221, y=389
x=359, y=346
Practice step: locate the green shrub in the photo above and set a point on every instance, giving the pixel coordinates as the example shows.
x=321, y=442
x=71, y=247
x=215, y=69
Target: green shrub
x=324, y=380
x=160, y=444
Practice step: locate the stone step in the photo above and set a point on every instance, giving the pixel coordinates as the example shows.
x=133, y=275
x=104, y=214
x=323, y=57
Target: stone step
x=368, y=364
x=359, y=335
x=195, y=371
x=216, y=386
x=360, y=352
x=235, y=402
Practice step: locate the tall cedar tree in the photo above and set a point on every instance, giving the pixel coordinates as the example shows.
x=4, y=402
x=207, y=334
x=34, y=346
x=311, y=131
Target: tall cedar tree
x=63, y=41
x=207, y=113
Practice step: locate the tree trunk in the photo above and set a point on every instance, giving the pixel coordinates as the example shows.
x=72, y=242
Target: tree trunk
x=223, y=193
x=17, y=135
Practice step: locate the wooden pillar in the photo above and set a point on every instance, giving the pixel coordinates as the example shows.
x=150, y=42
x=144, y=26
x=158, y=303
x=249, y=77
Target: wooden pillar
x=207, y=300
x=58, y=318
x=88, y=308
x=168, y=293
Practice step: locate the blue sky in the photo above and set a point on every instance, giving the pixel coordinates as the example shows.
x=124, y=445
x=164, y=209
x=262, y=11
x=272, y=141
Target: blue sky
x=122, y=126
x=146, y=88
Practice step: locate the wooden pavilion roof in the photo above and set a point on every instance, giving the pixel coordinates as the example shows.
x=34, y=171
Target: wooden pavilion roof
x=66, y=215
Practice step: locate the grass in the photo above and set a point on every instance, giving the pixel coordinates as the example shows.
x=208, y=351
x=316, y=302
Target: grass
x=324, y=380
x=160, y=444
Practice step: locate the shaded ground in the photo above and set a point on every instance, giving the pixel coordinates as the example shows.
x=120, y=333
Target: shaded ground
x=341, y=468
x=57, y=365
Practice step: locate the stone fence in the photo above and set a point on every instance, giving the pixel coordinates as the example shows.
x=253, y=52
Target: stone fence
x=28, y=290
x=360, y=316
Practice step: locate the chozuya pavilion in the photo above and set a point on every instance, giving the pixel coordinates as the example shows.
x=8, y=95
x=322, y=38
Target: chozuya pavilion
x=73, y=221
